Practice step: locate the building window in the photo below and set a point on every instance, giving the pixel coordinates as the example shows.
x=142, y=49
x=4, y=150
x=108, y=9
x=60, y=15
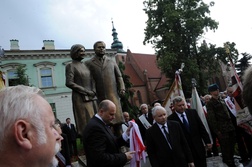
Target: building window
x=54, y=109
x=139, y=96
x=12, y=77
x=46, y=77
x=45, y=74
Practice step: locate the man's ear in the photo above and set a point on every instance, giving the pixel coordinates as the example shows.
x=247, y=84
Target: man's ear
x=23, y=134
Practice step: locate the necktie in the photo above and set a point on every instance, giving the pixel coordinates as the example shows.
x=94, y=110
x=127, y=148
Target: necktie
x=146, y=116
x=185, y=122
x=101, y=60
x=167, y=136
x=61, y=158
x=69, y=126
x=108, y=128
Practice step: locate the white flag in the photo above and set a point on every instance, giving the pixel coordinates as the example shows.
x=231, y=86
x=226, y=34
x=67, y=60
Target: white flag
x=197, y=105
x=175, y=90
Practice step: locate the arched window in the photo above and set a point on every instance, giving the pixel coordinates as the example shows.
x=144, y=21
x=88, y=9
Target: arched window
x=139, y=97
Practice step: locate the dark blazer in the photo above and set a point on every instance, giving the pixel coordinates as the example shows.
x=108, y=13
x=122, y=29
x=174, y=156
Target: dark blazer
x=71, y=133
x=102, y=148
x=195, y=136
x=65, y=149
x=158, y=148
x=142, y=129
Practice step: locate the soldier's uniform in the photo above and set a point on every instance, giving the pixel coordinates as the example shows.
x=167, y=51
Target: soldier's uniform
x=220, y=123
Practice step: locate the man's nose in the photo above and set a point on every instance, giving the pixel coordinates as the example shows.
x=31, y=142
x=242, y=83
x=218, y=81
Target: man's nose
x=58, y=136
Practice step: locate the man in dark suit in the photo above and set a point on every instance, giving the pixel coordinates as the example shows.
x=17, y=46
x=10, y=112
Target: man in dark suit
x=165, y=142
x=193, y=129
x=63, y=155
x=70, y=131
x=101, y=146
x=146, y=115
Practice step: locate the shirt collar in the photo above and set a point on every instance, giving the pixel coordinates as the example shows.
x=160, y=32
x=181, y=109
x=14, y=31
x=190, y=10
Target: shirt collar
x=160, y=126
x=179, y=115
x=98, y=116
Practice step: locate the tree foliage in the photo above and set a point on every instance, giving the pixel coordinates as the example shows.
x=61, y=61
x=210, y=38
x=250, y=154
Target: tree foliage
x=243, y=63
x=22, y=78
x=126, y=105
x=175, y=28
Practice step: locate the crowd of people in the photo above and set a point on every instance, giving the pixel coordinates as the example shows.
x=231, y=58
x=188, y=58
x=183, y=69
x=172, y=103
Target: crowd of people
x=34, y=137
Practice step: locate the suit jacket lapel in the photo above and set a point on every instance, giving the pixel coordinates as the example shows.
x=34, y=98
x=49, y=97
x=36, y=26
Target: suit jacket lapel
x=180, y=122
x=188, y=115
x=105, y=62
x=97, y=62
x=160, y=136
x=105, y=127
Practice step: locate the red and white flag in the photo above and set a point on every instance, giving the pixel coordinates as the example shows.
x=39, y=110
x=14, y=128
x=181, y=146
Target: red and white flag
x=136, y=144
x=243, y=117
x=175, y=90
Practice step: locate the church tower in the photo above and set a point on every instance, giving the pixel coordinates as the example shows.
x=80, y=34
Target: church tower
x=116, y=43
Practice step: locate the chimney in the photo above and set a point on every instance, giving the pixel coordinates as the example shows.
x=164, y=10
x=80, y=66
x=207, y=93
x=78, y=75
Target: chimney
x=48, y=45
x=14, y=44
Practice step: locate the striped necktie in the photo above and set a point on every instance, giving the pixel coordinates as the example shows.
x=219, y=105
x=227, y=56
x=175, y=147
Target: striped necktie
x=167, y=136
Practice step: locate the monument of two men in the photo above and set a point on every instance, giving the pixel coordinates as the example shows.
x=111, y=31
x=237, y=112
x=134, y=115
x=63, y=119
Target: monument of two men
x=93, y=81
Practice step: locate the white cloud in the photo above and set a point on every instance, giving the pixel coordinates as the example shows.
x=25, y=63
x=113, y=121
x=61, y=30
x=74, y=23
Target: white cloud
x=86, y=21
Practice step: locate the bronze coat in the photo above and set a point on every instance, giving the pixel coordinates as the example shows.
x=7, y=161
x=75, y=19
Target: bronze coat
x=107, y=77
x=79, y=80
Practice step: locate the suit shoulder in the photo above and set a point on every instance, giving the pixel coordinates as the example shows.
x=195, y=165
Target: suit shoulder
x=89, y=60
x=171, y=116
x=191, y=111
x=173, y=122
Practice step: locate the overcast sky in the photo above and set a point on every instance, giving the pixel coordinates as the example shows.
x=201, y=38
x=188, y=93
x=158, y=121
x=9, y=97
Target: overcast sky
x=68, y=22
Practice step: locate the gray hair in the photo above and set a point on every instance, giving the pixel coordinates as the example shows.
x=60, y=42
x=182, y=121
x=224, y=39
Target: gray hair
x=155, y=109
x=19, y=102
x=207, y=95
x=143, y=105
x=177, y=99
x=247, y=88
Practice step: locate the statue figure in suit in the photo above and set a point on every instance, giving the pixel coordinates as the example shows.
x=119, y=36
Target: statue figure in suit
x=108, y=79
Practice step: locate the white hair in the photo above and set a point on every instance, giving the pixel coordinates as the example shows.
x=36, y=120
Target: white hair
x=143, y=105
x=19, y=102
x=54, y=162
x=155, y=109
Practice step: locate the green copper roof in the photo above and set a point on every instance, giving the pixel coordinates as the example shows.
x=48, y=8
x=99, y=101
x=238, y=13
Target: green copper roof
x=116, y=43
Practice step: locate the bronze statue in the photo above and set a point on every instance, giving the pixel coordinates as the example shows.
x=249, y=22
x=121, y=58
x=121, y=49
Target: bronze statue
x=108, y=79
x=79, y=80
